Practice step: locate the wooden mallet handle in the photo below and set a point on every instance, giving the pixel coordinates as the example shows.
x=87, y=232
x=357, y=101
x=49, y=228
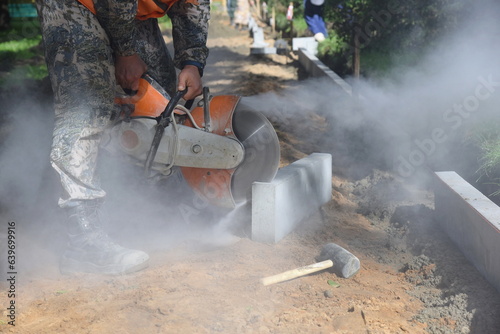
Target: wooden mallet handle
x=298, y=272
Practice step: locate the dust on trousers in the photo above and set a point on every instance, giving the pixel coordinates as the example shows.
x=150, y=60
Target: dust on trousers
x=81, y=69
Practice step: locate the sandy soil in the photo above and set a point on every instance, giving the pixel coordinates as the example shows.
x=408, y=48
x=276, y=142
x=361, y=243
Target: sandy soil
x=204, y=277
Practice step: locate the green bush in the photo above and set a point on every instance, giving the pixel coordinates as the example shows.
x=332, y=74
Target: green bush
x=19, y=74
x=299, y=26
x=20, y=29
x=20, y=55
x=22, y=48
x=487, y=138
x=281, y=23
x=375, y=62
x=332, y=45
x=335, y=53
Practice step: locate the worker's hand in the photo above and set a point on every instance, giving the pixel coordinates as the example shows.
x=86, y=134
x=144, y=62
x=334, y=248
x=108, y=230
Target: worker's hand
x=190, y=78
x=128, y=71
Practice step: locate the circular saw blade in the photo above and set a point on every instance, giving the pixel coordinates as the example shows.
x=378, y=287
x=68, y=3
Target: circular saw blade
x=262, y=152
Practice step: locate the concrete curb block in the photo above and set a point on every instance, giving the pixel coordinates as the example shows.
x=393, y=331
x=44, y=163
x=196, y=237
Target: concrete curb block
x=309, y=44
x=472, y=221
x=297, y=191
x=316, y=68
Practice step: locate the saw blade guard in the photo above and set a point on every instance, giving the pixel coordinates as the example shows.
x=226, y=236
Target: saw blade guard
x=229, y=187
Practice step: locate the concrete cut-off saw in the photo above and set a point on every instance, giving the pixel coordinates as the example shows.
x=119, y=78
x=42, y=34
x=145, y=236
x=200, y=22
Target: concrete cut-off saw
x=220, y=146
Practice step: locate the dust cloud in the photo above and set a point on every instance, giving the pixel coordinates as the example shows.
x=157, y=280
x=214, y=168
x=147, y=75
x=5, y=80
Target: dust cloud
x=163, y=214
x=151, y=216
x=413, y=119
x=28, y=197
x=407, y=121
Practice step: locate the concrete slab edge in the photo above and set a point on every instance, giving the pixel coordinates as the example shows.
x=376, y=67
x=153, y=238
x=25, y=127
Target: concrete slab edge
x=472, y=221
x=316, y=68
x=297, y=191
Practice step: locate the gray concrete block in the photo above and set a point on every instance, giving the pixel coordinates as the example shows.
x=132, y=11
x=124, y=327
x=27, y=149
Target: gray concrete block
x=308, y=43
x=472, y=221
x=252, y=24
x=297, y=191
x=258, y=38
x=316, y=68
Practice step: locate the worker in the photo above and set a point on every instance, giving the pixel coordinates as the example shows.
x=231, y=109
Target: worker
x=241, y=14
x=313, y=14
x=92, y=48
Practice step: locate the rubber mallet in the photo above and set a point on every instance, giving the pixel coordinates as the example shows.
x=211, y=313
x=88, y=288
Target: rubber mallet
x=344, y=264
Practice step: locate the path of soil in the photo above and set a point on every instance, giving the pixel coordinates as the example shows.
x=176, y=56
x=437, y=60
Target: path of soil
x=204, y=277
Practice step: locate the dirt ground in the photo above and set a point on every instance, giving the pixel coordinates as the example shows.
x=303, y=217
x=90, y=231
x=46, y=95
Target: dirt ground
x=204, y=277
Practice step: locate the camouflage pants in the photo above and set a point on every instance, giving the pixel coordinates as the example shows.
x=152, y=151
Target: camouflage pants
x=81, y=69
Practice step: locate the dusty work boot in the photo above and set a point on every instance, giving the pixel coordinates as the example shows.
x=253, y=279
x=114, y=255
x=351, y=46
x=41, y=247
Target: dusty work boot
x=91, y=250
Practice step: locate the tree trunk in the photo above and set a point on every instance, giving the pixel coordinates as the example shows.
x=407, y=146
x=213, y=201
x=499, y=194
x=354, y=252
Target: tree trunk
x=356, y=62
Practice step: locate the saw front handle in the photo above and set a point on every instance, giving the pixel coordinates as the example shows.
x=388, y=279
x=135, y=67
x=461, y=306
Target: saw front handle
x=163, y=122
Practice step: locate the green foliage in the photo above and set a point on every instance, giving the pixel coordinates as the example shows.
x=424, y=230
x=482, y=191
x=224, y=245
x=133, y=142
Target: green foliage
x=332, y=52
x=281, y=6
x=395, y=21
x=299, y=25
x=379, y=62
x=387, y=31
x=385, y=27
x=21, y=48
x=19, y=74
x=375, y=63
x=487, y=138
x=285, y=26
x=331, y=45
x=21, y=28
x=20, y=55
x=281, y=23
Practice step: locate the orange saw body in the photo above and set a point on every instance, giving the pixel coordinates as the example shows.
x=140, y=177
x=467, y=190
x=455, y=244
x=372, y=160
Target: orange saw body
x=214, y=184
x=216, y=145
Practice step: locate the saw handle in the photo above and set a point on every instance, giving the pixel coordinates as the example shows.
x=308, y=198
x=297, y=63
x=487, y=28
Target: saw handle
x=164, y=118
x=206, y=108
x=163, y=121
x=298, y=272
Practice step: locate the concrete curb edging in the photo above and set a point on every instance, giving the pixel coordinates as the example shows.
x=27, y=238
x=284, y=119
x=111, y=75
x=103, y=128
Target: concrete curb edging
x=472, y=221
x=316, y=68
x=297, y=191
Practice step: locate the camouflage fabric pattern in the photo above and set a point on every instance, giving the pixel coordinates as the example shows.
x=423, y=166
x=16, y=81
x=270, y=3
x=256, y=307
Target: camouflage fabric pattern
x=189, y=27
x=79, y=49
x=190, y=31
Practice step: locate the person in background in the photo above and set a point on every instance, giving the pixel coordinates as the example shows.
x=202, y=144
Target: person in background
x=313, y=14
x=241, y=14
x=91, y=48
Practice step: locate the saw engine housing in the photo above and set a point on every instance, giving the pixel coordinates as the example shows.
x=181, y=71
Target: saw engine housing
x=204, y=142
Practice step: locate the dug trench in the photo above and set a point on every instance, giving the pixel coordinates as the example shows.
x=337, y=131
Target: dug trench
x=204, y=277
